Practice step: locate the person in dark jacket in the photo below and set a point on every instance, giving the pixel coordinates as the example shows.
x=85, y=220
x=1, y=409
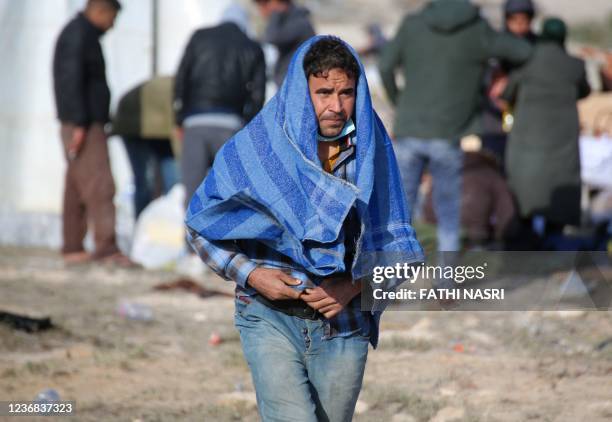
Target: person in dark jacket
x=219, y=86
x=288, y=27
x=82, y=97
x=518, y=18
x=542, y=158
x=444, y=51
x=222, y=70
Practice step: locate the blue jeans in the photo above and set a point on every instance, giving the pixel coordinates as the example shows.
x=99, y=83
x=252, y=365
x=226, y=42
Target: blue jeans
x=148, y=158
x=444, y=159
x=299, y=375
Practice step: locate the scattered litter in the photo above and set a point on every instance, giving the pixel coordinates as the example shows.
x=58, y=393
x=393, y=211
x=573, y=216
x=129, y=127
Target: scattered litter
x=602, y=345
x=459, y=348
x=215, y=339
x=134, y=311
x=27, y=323
x=200, y=317
x=239, y=387
x=159, y=233
x=47, y=396
x=191, y=287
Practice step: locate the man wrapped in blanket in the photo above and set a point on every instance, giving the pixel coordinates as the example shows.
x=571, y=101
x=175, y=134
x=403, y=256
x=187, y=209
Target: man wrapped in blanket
x=298, y=209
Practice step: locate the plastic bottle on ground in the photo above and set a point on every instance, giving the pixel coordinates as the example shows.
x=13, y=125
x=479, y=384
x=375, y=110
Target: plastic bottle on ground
x=47, y=396
x=134, y=311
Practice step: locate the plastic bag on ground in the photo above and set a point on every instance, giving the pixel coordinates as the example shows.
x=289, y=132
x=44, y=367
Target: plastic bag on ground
x=159, y=237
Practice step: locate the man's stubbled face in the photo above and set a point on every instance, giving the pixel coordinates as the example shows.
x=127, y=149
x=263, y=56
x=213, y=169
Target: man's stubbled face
x=333, y=97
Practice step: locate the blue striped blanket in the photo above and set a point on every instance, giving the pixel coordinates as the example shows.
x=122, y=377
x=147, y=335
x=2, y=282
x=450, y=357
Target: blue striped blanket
x=267, y=184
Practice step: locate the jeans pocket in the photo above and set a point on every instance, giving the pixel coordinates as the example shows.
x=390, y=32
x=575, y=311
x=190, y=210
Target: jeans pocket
x=247, y=307
x=249, y=314
x=359, y=333
x=241, y=304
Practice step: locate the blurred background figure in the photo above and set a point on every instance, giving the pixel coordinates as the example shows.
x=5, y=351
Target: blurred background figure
x=288, y=26
x=219, y=86
x=376, y=41
x=602, y=61
x=82, y=99
x=443, y=52
x=542, y=159
x=487, y=205
x=518, y=20
x=145, y=121
x=606, y=71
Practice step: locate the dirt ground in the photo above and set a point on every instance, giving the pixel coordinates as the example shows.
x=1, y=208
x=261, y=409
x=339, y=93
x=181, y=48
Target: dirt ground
x=430, y=366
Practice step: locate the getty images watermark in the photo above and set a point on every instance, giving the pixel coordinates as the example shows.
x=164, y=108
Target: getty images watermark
x=441, y=278
x=490, y=281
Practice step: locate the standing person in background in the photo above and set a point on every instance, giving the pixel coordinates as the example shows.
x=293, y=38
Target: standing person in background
x=518, y=19
x=443, y=51
x=82, y=97
x=145, y=121
x=376, y=41
x=220, y=85
x=518, y=16
x=542, y=159
x=288, y=27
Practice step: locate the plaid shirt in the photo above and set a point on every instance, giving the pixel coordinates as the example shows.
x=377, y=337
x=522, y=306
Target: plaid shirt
x=235, y=260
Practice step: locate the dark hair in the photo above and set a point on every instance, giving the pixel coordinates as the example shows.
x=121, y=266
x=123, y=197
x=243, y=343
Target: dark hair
x=519, y=6
x=554, y=29
x=330, y=53
x=111, y=3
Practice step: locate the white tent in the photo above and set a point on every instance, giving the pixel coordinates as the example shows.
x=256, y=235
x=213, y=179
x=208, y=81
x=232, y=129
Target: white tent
x=31, y=161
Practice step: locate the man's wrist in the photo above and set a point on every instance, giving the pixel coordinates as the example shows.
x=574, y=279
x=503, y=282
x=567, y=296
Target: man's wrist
x=239, y=270
x=356, y=288
x=246, y=284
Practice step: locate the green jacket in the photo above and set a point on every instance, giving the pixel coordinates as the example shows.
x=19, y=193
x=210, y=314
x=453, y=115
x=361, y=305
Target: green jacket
x=443, y=51
x=146, y=112
x=542, y=158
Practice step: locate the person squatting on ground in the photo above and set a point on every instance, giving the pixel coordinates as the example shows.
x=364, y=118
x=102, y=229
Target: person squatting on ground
x=443, y=52
x=298, y=209
x=82, y=98
x=487, y=205
x=145, y=121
